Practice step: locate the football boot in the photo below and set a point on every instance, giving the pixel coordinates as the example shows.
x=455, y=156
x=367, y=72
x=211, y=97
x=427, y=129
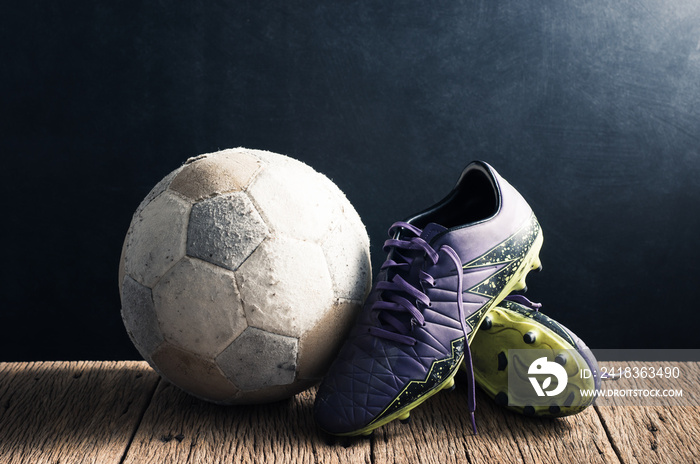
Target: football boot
x=517, y=324
x=446, y=267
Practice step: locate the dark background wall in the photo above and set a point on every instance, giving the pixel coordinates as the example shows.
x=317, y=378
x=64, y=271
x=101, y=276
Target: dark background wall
x=591, y=109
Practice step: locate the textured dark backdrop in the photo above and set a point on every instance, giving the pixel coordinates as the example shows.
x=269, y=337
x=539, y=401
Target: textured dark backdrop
x=591, y=109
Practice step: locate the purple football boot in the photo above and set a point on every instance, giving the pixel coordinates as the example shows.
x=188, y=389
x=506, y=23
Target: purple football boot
x=445, y=268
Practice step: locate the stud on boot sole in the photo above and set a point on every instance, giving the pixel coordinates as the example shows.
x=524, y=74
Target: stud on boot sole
x=449, y=385
x=502, y=361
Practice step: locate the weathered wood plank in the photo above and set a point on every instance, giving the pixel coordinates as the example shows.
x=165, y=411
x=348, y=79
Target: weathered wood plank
x=72, y=412
x=178, y=428
x=577, y=438
x=90, y=411
x=655, y=434
x=440, y=432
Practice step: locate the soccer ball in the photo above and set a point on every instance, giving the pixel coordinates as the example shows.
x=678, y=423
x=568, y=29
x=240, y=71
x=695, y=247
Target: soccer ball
x=241, y=274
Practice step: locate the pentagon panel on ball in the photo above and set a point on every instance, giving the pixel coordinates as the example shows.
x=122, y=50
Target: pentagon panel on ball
x=241, y=274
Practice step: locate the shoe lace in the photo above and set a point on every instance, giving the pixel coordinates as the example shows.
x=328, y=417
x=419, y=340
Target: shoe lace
x=399, y=297
x=523, y=300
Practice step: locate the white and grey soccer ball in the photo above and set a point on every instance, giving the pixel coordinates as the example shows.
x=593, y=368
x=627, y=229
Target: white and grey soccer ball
x=241, y=274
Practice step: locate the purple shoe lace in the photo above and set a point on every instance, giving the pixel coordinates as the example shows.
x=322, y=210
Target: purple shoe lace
x=521, y=299
x=394, y=304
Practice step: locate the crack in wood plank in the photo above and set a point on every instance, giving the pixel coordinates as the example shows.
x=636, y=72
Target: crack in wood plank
x=137, y=424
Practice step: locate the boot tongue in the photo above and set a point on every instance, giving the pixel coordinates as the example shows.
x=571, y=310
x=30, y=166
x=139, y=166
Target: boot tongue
x=431, y=230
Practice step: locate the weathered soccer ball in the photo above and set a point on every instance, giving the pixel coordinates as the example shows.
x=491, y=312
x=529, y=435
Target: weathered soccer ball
x=241, y=274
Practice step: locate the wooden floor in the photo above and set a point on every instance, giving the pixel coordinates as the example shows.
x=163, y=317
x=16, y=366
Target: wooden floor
x=121, y=412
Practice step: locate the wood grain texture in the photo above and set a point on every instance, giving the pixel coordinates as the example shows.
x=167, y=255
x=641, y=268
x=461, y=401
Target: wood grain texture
x=651, y=434
x=578, y=438
x=180, y=428
x=440, y=432
x=72, y=412
x=120, y=412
